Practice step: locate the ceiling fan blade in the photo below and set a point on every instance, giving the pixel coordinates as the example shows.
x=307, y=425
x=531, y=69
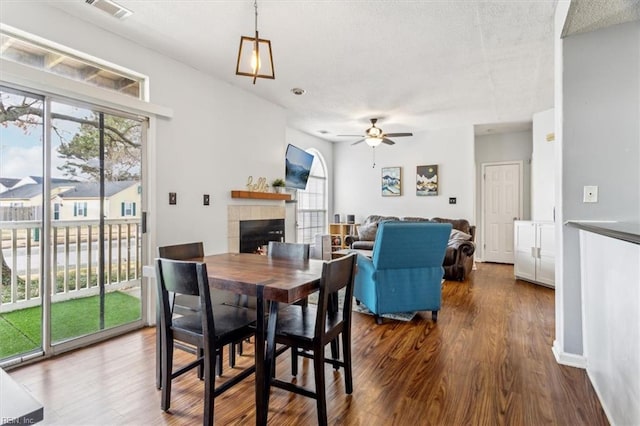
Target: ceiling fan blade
x=357, y=142
x=397, y=135
x=352, y=136
x=388, y=141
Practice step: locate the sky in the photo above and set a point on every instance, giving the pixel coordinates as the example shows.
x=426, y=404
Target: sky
x=21, y=153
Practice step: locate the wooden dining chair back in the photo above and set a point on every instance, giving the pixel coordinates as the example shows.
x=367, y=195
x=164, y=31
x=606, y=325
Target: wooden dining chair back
x=308, y=331
x=186, y=251
x=296, y=251
x=288, y=250
x=209, y=328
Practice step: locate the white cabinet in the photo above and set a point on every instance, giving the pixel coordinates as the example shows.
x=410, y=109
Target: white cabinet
x=534, y=248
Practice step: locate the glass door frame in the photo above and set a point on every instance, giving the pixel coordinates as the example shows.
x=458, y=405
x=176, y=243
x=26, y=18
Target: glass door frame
x=46, y=259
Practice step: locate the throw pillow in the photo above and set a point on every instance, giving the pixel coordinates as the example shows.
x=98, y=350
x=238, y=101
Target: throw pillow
x=459, y=235
x=367, y=232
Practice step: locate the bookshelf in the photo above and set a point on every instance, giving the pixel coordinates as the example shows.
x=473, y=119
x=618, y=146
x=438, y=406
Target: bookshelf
x=338, y=231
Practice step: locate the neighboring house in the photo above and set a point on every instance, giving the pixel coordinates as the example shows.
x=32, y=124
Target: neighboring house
x=122, y=200
x=7, y=183
x=73, y=200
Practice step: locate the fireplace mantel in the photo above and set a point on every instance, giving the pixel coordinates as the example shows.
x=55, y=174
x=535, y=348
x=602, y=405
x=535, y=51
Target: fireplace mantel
x=256, y=195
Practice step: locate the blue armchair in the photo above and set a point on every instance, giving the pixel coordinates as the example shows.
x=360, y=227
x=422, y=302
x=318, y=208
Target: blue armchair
x=405, y=272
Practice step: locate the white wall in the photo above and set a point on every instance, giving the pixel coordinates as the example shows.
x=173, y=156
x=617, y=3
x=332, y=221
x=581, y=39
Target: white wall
x=218, y=136
x=600, y=146
x=357, y=183
x=542, y=167
x=499, y=147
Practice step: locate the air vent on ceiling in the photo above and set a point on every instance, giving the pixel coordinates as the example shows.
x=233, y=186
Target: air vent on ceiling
x=111, y=7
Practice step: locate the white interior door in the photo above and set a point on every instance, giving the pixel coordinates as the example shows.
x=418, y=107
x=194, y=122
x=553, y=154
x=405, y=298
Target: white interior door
x=502, y=205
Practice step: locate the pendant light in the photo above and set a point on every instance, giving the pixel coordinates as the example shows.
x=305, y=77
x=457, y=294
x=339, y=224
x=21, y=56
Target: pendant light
x=254, y=57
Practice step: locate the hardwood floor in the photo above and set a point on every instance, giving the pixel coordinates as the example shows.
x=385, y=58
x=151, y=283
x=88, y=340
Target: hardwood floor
x=487, y=361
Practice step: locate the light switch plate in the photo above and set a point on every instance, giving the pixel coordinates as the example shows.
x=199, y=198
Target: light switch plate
x=173, y=198
x=205, y=199
x=590, y=194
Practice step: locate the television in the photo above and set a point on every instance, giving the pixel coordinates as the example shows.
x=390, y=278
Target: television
x=297, y=167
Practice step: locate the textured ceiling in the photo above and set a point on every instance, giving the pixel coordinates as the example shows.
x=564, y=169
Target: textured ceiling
x=591, y=15
x=418, y=65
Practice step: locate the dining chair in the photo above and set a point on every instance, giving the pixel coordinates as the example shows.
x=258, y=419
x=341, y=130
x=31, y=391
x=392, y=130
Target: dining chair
x=209, y=328
x=308, y=331
x=276, y=250
x=299, y=251
x=186, y=304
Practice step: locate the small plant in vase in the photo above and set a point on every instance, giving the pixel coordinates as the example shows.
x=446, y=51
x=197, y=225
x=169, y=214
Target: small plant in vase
x=278, y=185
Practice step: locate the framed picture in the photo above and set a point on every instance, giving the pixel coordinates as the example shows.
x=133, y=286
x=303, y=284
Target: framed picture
x=391, y=181
x=427, y=180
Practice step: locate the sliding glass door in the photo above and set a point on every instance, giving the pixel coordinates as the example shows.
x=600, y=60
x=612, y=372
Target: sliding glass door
x=21, y=200
x=90, y=228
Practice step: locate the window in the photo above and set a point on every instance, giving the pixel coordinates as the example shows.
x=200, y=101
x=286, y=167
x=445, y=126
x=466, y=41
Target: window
x=312, y=202
x=128, y=208
x=54, y=60
x=56, y=211
x=79, y=208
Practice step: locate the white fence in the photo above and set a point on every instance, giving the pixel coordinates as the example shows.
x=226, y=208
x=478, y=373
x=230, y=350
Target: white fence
x=75, y=263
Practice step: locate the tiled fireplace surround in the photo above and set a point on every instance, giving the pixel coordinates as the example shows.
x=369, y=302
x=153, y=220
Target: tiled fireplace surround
x=236, y=213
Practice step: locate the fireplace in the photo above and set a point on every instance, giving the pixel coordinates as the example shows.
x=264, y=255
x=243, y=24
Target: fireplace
x=257, y=233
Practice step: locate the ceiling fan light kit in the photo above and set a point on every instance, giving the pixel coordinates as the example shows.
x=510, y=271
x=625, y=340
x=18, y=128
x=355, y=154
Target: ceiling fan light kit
x=373, y=141
x=254, y=55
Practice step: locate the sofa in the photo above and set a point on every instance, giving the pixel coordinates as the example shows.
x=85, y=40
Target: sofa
x=458, y=259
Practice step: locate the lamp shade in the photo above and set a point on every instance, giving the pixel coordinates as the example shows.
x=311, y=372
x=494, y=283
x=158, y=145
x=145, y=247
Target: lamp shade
x=255, y=58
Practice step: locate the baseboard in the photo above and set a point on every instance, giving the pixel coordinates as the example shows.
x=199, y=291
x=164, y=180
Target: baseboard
x=564, y=358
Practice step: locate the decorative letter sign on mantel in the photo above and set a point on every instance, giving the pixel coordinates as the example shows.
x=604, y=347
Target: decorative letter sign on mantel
x=260, y=186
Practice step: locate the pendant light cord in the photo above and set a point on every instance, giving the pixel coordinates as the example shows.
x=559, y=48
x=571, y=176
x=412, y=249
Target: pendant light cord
x=255, y=6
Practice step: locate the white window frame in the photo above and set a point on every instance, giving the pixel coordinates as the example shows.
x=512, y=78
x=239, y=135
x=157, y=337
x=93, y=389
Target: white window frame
x=301, y=226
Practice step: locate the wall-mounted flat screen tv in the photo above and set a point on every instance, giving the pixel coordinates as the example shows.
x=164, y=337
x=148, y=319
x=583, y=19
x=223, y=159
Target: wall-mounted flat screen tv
x=297, y=167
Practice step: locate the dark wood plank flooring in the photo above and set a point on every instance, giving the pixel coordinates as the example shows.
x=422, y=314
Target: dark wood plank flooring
x=487, y=361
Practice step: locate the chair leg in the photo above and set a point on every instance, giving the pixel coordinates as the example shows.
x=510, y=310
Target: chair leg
x=378, y=319
x=167, y=362
x=321, y=399
x=294, y=361
x=434, y=315
x=209, y=384
x=335, y=351
x=200, y=354
x=346, y=357
x=219, y=354
x=232, y=355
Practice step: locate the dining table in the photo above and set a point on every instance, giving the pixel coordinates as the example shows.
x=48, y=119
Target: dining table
x=271, y=281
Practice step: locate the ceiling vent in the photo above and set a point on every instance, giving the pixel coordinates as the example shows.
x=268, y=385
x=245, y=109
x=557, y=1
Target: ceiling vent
x=111, y=7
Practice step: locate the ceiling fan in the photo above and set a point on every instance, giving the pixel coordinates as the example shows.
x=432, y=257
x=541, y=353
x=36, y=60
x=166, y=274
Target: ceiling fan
x=374, y=136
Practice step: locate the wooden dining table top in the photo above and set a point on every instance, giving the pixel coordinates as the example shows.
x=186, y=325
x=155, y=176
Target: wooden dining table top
x=283, y=280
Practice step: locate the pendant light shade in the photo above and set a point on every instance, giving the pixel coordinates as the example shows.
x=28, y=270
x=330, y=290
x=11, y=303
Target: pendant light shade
x=254, y=55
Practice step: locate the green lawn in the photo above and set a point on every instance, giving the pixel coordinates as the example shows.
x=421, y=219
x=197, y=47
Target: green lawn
x=20, y=331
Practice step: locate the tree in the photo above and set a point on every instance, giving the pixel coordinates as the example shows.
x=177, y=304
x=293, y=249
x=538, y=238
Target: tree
x=121, y=150
x=82, y=151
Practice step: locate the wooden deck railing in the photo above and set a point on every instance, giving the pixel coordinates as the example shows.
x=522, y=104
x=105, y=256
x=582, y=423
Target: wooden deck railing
x=75, y=262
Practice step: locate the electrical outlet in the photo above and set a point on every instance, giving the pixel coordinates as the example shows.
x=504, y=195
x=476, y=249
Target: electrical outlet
x=590, y=194
x=173, y=198
x=452, y=200
x=205, y=199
